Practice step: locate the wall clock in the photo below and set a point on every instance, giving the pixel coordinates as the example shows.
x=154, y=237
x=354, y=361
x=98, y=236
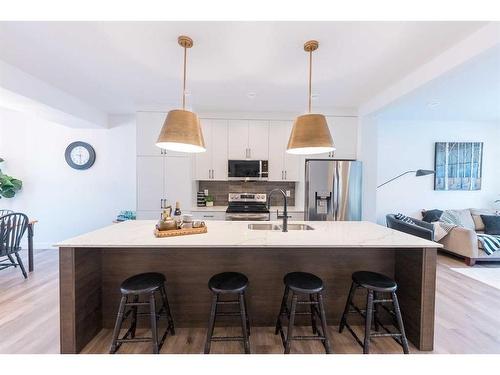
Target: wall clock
x=80, y=155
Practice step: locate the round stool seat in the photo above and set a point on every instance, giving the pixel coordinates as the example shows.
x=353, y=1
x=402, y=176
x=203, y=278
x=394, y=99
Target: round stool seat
x=303, y=282
x=143, y=283
x=228, y=282
x=375, y=281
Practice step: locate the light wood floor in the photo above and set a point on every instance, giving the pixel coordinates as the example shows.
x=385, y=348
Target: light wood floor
x=467, y=318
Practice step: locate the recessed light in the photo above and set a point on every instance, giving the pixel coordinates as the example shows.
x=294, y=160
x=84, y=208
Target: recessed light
x=251, y=95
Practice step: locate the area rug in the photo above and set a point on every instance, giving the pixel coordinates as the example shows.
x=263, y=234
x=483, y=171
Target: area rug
x=490, y=276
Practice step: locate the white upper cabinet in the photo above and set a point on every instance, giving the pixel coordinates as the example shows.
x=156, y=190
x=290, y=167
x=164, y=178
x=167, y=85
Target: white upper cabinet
x=212, y=164
x=258, y=140
x=237, y=145
x=219, y=150
x=148, y=128
x=248, y=139
x=203, y=160
x=344, y=131
x=276, y=151
x=282, y=166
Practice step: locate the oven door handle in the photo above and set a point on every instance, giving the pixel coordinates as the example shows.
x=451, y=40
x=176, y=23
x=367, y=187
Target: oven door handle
x=247, y=216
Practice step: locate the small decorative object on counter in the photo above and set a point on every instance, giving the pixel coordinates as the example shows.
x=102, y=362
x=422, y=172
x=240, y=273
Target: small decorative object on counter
x=177, y=214
x=126, y=215
x=177, y=211
x=187, y=221
x=167, y=222
x=209, y=201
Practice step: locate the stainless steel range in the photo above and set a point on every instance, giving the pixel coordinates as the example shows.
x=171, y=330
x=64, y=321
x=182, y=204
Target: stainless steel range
x=247, y=207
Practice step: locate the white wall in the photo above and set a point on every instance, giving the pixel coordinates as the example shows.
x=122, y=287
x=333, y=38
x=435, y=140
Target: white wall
x=67, y=202
x=407, y=145
x=367, y=148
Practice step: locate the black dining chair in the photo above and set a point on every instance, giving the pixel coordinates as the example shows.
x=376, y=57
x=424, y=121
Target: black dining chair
x=3, y=213
x=12, y=228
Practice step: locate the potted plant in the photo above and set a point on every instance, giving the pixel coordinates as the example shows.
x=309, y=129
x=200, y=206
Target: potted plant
x=209, y=201
x=9, y=186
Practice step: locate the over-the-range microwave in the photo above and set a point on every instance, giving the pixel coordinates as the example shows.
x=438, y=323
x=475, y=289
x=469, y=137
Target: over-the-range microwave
x=247, y=170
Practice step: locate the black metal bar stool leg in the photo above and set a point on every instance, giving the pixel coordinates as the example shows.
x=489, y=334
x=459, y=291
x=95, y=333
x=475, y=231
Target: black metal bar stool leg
x=348, y=303
x=375, y=311
x=324, y=326
x=246, y=314
x=118, y=325
x=313, y=313
x=244, y=322
x=170, y=320
x=211, y=323
x=133, y=326
x=368, y=321
x=284, y=301
x=397, y=311
x=291, y=320
x=153, y=318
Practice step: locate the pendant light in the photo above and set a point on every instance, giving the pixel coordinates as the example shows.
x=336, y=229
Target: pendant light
x=181, y=130
x=310, y=133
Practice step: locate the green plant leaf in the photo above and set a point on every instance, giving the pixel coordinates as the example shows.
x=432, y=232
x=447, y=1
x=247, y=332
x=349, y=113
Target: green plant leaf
x=18, y=184
x=8, y=193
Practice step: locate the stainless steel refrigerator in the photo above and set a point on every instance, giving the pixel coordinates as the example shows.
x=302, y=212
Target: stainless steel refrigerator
x=333, y=190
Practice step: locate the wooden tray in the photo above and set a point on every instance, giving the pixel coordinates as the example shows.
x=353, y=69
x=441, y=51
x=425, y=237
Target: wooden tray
x=180, y=232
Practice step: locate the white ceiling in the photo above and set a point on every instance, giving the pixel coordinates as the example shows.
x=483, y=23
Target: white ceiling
x=470, y=92
x=120, y=67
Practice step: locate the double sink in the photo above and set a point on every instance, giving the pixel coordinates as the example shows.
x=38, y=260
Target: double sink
x=277, y=227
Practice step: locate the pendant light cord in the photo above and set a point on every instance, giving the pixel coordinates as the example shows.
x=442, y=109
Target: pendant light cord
x=310, y=79
x=184, y=83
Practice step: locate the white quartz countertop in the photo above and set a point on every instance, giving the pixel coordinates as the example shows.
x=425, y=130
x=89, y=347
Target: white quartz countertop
x=326, y=234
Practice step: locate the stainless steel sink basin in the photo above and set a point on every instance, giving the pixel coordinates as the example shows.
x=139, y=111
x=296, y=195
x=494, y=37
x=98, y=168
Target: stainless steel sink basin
x=264, y=227
x=279, y=227
x=299, y=227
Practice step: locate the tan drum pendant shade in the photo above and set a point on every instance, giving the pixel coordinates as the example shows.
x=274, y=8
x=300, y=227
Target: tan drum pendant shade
x=181, y=130
x=310, y=133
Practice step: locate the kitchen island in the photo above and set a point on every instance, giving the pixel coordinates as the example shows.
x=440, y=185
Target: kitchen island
x=93, y=265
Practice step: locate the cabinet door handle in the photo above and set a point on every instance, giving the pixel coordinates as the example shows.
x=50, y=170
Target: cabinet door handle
x=249, y=153
x=208, y=215
x=282, y=175
x=285, y=175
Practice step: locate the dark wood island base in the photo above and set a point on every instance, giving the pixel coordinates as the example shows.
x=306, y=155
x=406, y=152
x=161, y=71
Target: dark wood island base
x=90, y=280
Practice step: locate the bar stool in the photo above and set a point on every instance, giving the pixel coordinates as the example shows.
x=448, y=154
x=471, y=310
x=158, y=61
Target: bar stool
x=376, y=284
x=144, y=284
x=228, y=283
x=302, y=283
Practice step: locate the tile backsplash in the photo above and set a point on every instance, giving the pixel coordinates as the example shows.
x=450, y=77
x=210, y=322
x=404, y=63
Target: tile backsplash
x=220, y=189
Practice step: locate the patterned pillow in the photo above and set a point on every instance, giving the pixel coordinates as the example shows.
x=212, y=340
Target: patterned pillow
x=404, y=218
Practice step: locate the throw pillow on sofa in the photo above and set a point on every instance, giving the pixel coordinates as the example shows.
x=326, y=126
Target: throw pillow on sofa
x=491, y=224
x=462, y=218
x=476, y=216
x=431, y=215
